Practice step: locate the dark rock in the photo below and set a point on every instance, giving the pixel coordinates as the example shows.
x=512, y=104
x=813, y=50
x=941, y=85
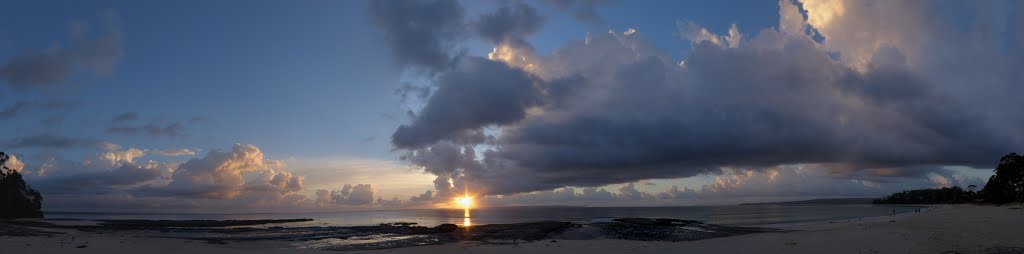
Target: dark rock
x=447, y=227
x=657, y=222
x=672, y=230
x=530, y=231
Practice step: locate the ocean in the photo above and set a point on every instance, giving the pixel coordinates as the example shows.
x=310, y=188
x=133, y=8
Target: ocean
x=737, y=215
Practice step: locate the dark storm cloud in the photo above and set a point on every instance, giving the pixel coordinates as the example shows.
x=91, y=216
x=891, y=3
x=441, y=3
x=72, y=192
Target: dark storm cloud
x=613, y=109
x=49, y=141
x=484, y=92
x=448, y=162
x=791, y=106
x=55, y=66
x=509, y=24
x=420, y=33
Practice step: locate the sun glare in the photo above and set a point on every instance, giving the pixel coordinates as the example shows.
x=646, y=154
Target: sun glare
x=465, y=202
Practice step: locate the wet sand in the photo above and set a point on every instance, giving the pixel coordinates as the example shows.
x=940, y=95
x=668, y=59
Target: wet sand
x=941, y=229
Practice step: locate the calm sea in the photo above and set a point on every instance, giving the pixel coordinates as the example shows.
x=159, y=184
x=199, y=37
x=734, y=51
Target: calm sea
x=752, y=215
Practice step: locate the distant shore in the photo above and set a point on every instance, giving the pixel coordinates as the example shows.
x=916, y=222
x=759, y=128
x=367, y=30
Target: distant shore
x=940, y=229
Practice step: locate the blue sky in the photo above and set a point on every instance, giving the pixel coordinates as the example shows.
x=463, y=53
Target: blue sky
x=313, y=84
x=300, y=80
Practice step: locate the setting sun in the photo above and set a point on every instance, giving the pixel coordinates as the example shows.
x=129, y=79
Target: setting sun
x=464, y=201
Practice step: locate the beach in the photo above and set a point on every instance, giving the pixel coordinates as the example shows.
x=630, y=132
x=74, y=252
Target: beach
x=939, y=229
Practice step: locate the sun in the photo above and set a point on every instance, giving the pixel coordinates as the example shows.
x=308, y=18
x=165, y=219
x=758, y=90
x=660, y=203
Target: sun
x=464, y=201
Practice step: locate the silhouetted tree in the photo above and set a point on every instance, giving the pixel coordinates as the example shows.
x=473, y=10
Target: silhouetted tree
x=17, y=200
x=948, y=195
x=1007, y=185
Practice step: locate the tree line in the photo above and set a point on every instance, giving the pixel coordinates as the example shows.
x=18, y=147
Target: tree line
x=1006, y=186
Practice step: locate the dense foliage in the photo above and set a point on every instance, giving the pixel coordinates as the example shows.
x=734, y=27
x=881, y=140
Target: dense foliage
x=950, y=195
x=1007, y=185
x=17, y=200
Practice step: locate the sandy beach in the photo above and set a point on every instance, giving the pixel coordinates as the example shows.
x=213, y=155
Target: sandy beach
x=940, y=229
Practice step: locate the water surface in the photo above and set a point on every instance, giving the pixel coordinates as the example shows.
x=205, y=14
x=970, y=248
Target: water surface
x=747, y=215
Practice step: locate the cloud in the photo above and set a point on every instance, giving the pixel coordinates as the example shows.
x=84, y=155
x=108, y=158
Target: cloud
x=426, y=197
x=49, y=141
x=509, y=24
x=614, y=109
x=421, y=33
x=13, y=164
x=174, y=152
x=484, y=92
x=56, y=65
x=122, y=175
x=349, y=195
x=126, y=117
x=171, y=129
x=118, y=178
x=394, y=202
x=738, y=185
x=239, y=173
x=12, y=111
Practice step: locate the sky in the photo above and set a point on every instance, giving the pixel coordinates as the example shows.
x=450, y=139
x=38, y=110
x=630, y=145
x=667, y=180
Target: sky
x=227, y=106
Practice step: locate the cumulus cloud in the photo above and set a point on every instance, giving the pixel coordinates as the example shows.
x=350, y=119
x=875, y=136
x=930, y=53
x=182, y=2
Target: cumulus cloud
x=349, y=195
x=116, y=178
x=109, y=171
x=613, y=109
x=394, y=202
x=84, y=54
x=230, y=174
x=13, y=164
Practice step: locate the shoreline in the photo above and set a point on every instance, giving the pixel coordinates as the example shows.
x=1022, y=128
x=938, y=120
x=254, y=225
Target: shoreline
x=938, y=229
